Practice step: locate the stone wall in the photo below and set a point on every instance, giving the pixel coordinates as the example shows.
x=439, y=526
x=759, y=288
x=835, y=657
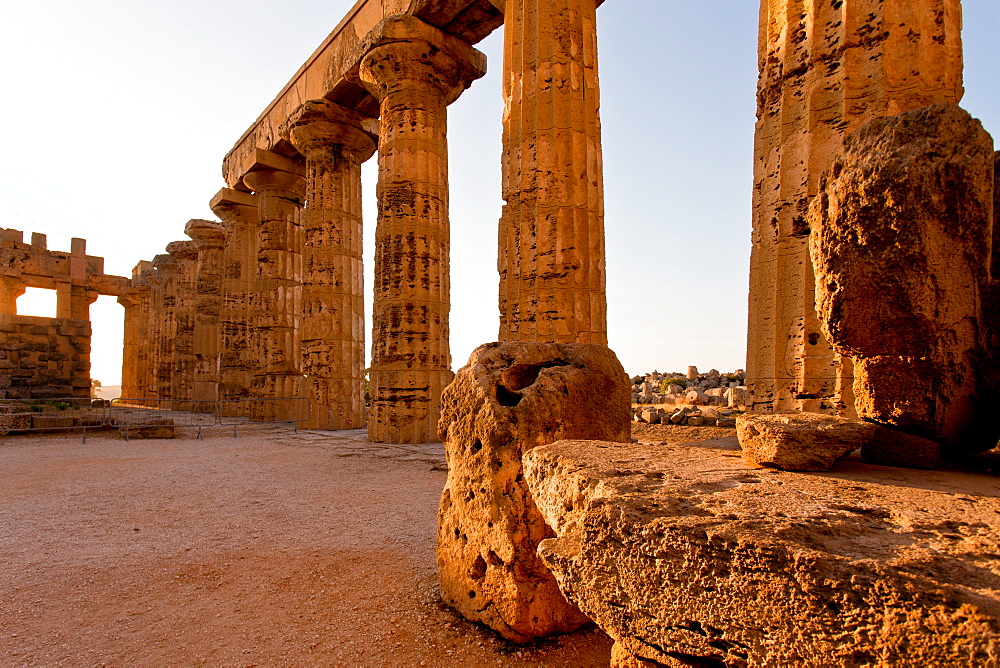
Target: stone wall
x=44, y=358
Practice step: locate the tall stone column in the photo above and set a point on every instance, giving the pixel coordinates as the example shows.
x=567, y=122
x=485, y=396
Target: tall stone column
x=145, y=327
x=182, y=373
x=164, y=321
x=551, y=245
x=131, y=342
x=415, y=71
x=826, y=69
x=210, y=238
x=238, y=213
x=331, y=330
x=11, y=288
x=276, y=301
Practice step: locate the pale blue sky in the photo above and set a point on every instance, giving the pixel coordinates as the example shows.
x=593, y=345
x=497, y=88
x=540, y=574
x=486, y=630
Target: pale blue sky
x=118, y=114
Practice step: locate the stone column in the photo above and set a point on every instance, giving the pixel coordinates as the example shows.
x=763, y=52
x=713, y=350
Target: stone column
x=238, y=213
x=276, y=301
x=11, y=288
x=331, y=333
x=210, y=238
x=415, y=71
x=182, y=373
x=131, y=342
x=164, y=324
x=826, y=69
x=551, y=250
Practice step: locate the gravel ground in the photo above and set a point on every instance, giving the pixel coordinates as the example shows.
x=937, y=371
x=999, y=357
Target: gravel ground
x=272, y=548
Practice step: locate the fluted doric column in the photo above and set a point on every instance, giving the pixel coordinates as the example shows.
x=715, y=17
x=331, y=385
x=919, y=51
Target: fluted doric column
x=210, y=238
x=164, y=319
x=551, y=242
x=331, y=330
x=276, y=301
x=183, y=292
x=238, y=212
x=825, y=70
x=415, y=71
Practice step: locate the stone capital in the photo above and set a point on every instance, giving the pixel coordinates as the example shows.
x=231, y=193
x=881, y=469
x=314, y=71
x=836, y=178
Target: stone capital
x=234, y=206
x=206, y=233
x=275, y=180
x=404, y=53
x=164, y=263
x=185, y=251
x=325, y=131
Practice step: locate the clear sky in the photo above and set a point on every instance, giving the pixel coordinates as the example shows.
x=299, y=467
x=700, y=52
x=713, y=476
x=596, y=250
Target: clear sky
x=117, y=115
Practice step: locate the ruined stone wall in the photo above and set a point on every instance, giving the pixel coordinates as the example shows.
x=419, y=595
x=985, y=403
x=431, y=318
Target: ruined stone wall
x=44, y=358
x=825, y=70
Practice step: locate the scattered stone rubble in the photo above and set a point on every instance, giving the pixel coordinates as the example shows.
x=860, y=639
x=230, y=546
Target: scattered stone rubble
x=711, y=399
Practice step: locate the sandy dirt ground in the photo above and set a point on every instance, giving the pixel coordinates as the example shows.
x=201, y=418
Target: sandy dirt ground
x=268, y=549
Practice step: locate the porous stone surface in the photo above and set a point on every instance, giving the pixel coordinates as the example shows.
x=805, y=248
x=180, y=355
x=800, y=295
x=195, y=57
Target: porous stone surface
x=510, y=398
x=800, y=441
x=687, y=557
x=826, y=69
x=900, y=243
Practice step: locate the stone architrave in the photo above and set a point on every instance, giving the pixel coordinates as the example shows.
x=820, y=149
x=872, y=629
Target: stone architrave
x=276, y=300
x=510, y=398
x=551, y=242
x=331, y=330
x=826, y=69
x=900, y=244
x=415, y=71
x=210, y=238
x=184, y=290
x=238, y=212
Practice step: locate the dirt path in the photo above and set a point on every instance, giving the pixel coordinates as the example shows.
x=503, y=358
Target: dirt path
x=269, y=549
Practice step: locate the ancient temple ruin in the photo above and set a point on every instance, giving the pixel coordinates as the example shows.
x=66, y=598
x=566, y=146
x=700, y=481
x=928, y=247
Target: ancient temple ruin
x=46, y=358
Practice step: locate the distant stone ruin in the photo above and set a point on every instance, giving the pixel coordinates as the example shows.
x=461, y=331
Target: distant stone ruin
x=46, y=358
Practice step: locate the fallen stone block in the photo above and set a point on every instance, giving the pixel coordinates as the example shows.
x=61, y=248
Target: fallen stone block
x=684, y=556
x=800, y=441
x=510, y=398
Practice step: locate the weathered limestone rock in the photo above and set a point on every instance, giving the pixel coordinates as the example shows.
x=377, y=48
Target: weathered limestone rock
x=826, y=69
x=333, y=311
x=11, y=287
x=900, y=245
x=800, y=441
x=210, y=238
x=686, y=557
x=512, y=397
x=276, y=301
x=238, y=211
x=552, y=228
x=415, y=71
